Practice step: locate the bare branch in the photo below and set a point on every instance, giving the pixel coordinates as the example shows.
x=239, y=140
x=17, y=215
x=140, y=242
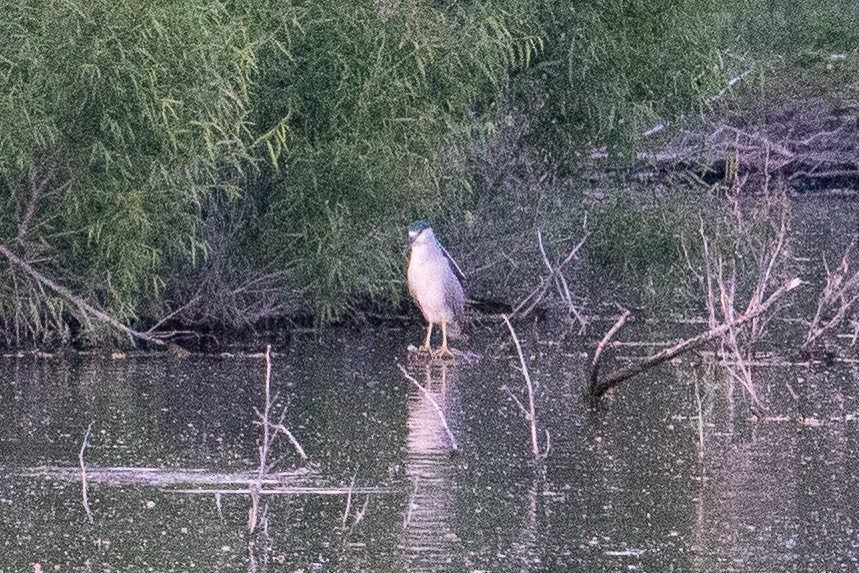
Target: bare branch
x=284, y=430
x=839, y=295
x=532, y=414
x=600, y=388
x=85, y=308
x=602, y=344
x=555, y=277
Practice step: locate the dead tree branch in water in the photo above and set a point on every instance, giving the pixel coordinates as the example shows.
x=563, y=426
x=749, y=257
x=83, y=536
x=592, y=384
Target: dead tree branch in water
x=84, y=483
x=602, y=344
x=838, y=296
x=556, y=278
x=531, y=413
x=760, y=249
x=83, y=306
x=601, y=387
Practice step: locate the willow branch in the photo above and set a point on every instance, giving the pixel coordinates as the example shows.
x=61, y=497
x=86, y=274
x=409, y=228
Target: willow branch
x=79, y=302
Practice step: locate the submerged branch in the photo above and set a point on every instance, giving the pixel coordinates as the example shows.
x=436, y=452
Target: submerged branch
x=597, y=388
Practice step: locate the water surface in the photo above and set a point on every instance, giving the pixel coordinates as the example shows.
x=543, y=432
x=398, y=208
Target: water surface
x=624, y=486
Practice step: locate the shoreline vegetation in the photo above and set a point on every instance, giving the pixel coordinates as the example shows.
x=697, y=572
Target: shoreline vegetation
x=194, y=172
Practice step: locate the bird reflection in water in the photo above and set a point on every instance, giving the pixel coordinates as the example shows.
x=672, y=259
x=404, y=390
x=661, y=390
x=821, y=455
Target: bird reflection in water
x=427, y=541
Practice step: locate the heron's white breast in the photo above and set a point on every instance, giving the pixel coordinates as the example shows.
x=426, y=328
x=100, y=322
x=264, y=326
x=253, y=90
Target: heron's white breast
x=427, y=275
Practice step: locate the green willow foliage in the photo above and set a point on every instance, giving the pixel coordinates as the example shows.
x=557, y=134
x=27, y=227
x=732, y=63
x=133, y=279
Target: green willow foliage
x=378, y=96
x=116, y=120
x=151, y=149
x=123, y=126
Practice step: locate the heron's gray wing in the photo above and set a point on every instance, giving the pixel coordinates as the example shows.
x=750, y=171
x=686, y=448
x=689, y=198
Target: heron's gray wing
x=454, y=294
x=454, y=265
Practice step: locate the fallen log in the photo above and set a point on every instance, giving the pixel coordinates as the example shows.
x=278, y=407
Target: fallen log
x=597, y=388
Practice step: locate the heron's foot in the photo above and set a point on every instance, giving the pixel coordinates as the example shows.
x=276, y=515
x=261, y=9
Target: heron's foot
x=425, y=349
x=444, y=352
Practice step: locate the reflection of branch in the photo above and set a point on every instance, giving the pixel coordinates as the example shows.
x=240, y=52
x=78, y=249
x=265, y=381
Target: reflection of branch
x=412, y=504
x=80, y=303
x=597, y=389
x=348, y=502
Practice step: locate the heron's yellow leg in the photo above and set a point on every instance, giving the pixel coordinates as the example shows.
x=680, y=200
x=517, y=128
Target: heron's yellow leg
x=426, y=345
x=444, y=350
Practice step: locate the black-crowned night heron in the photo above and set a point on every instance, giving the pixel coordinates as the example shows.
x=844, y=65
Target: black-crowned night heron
x=434, y=286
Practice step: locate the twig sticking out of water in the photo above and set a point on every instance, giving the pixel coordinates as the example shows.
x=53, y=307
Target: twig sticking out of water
x=621, y=320
x=83, y=472
x=279, y=427
x=267, y=440
x=600, y=388
x=348, y=502
x=432, y=401
x=266, y=426
x=838, y=296
x=739, y=370
x=774, y=254
x=531, y=414
x=555, y=277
